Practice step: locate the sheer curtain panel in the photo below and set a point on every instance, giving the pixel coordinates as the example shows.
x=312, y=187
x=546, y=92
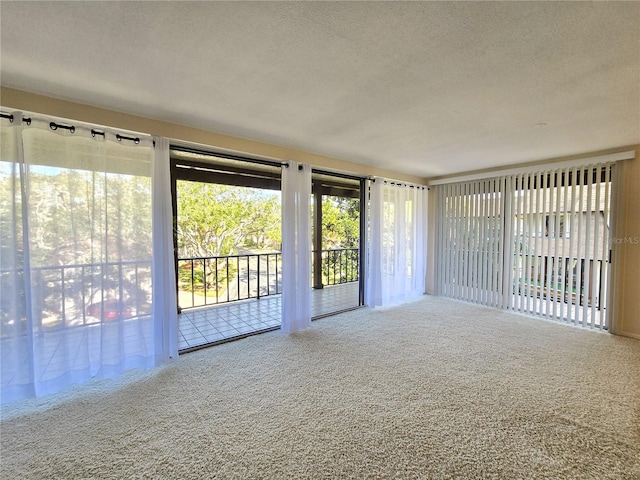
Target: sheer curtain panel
x=296, y=247
x=77, y=256
x=165, y=302
x=397, y=245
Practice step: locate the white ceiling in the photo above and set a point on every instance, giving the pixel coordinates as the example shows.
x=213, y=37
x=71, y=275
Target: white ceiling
x=424, y=88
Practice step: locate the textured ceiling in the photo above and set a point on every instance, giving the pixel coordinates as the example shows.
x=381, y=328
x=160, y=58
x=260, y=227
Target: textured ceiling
x=422, y=88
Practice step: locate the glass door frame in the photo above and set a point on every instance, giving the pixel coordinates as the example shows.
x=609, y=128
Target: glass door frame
x=317, y=232
x=210, y=172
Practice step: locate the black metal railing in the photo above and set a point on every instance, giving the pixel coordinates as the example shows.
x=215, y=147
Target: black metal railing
x=77, y=294
x=340, y=266
x=563, y=274
x=84, y=294
x=221, y=279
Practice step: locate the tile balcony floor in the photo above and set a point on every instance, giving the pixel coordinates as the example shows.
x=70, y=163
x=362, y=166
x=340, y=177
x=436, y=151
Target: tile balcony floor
x=218, y=323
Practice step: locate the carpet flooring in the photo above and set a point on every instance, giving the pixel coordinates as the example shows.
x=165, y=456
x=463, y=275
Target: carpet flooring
x=433, y=389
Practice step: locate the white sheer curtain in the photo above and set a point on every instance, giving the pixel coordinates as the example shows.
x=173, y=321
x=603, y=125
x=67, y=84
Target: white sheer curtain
x=77, y=256
x=16, y=373
x=397, y=243
x=296, y=247
x=165, y=302
x=373, y=282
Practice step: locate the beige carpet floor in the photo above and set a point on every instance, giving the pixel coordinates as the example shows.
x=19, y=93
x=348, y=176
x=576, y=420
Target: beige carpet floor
x=432, y=389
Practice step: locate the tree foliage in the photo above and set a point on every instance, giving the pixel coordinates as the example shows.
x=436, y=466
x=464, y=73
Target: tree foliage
x=340, y=222
x=216, y=220
x=95, y=220
x=81, y=225
x=77, y=216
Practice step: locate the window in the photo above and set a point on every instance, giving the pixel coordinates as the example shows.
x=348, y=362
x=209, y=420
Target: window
x=76, y=263
x=556, y=226
x=535, y=242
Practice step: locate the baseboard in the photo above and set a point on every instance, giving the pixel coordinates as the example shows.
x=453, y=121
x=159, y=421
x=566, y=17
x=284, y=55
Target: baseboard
x=630, y=335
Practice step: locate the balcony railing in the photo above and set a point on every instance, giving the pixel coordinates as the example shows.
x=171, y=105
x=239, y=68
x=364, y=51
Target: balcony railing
x=559, y=278
x=340, y=266
x=79, y=294
x=85, y=294
x=220, y=279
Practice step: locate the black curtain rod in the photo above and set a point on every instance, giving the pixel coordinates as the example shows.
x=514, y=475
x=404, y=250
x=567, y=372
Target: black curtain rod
x=55, y=126
x=26, y=120
x=135, y=140
x=402, y=184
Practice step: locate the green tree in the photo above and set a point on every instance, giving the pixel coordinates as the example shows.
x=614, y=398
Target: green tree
x=219, y=220
x=341, y=232
x=340, y=222
x=216, y=220
x=79, y=220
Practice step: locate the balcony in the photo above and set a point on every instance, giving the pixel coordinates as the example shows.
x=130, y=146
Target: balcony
x=225, y=321
x=243, y=299
x=227, y=297
x=77, y=295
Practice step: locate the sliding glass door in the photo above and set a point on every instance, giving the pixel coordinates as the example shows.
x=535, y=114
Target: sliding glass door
x=228, y=244
x=337, y=243
x=561, y=223
x=227, y=239
x=537, y=243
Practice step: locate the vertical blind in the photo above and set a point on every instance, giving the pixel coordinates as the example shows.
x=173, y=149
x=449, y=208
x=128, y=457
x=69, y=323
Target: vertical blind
x=535, y=242
x=471, y=241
